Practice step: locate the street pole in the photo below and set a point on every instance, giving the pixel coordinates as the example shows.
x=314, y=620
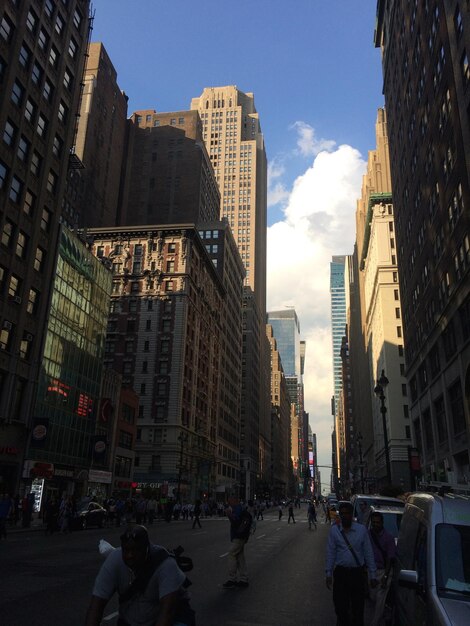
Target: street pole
x=182, y=437
x=379, y=391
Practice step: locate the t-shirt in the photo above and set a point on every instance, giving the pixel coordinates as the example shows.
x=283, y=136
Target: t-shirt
x=142, y=609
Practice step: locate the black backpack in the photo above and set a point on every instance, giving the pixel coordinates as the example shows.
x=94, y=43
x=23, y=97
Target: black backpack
x=242, y=529
x=184, y=613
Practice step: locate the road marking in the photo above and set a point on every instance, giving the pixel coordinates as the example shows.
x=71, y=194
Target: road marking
x=222, y=555
x=278, y=528
x=110, y=617
x=261, y=536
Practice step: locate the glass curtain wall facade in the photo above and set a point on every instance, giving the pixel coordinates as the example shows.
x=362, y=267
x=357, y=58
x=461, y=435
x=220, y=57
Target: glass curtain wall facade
x=338, y=317
x=72, y=365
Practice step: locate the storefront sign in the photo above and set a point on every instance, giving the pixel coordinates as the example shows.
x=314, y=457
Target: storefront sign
x=150, y=485
x=9, y=450
x=37, y=469
x=39, y=431
x=99, y=476
x=62, y=472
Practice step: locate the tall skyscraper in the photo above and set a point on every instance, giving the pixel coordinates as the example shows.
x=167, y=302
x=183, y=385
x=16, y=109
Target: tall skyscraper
x=234, y=141
x=101, y=136
x=425, y=56
x=286, y=330
x=338, y=317
x=42, y=55
x=168, y=174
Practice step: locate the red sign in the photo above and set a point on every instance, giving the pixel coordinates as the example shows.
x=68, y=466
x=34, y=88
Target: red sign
x=42, y=470
x=8, y=450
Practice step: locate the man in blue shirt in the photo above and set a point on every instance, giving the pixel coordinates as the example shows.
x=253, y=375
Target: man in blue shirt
x=348, y=551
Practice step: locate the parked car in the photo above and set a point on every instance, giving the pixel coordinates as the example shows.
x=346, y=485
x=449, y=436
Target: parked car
x=90, y=514
x=432, y=571
x=392, y=516
x=372, y=500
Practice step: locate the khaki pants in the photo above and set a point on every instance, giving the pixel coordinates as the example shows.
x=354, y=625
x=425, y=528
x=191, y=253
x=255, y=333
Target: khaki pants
x=236, y=561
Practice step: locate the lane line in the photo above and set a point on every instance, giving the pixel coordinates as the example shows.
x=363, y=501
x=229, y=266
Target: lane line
x=222, y=555
x=261, y=536
x=111, y=616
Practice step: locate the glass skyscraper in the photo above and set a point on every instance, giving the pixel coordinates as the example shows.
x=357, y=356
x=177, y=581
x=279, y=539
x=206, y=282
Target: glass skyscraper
x=338, y=317
x=286, y=329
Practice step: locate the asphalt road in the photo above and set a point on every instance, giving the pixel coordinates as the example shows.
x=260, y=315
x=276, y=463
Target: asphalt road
x=47, y=581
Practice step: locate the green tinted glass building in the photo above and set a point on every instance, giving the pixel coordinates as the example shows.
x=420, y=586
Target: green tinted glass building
x=71, y=371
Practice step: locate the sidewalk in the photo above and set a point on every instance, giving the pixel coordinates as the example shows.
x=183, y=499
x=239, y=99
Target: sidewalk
x=36, y=524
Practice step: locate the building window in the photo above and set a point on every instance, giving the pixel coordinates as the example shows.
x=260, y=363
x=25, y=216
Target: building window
x=17, y=93
x=43, y=39
x=39, y=259
x=47, y=90
x=52, y=182
x=35, y=166
x=9, y=133
x=441, y=423
x=68, y=78
x=41, y=127
x=172, y=247
x=30, y=111
x=49, y=7
x=15, y=286
x=72, y=48
x=33, y=301
x=59, y=24
x=127, y=414
x=6, y=335
x=45, y=220
x=53, y=56
x=6, y=28
x=142, y=389
x=170, y=266
x=36, y=73
x=77, y=19
x=7, y=233
x=23, y=149
x=21, y=245
x=25, y=56
x=57, y=146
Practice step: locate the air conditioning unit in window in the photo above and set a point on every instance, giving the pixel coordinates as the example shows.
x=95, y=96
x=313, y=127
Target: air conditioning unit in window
x=17, y=299
x=28, y=337
x=7, y=325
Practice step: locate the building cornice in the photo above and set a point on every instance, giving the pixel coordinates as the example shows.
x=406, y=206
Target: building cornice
x=374, y=198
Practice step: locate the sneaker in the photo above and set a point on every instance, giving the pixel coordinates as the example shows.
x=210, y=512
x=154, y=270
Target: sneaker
x=242, y=583
x=230, y=584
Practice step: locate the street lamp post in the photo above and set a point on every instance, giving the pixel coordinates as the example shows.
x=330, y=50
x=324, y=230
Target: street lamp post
x=361, y=462
x=379, y=391
x=182, y=438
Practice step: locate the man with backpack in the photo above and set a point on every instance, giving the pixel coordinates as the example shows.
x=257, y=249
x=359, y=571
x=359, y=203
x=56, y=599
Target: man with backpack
x=150, y=584
x=240, y=526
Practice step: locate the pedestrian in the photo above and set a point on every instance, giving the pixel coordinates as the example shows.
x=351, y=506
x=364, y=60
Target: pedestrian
x=240, y=527
x=291, y=513
x=363, y=512
x=51, y=515
x=152, y=509
x=5, y=510
x=197, y=514
x=348, y=551
x=384, y=548
x=279, y=508
x=149, y=584
x=312, y=516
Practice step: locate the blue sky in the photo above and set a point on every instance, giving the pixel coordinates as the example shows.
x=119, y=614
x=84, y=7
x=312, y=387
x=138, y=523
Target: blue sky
x=317, y=82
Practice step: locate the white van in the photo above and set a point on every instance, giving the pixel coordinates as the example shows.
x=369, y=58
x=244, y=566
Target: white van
x=432, y=571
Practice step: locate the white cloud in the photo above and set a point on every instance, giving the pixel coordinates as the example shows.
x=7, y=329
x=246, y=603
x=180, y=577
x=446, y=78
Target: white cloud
x=307, y=143
x=319, y=223
x=277, y=192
